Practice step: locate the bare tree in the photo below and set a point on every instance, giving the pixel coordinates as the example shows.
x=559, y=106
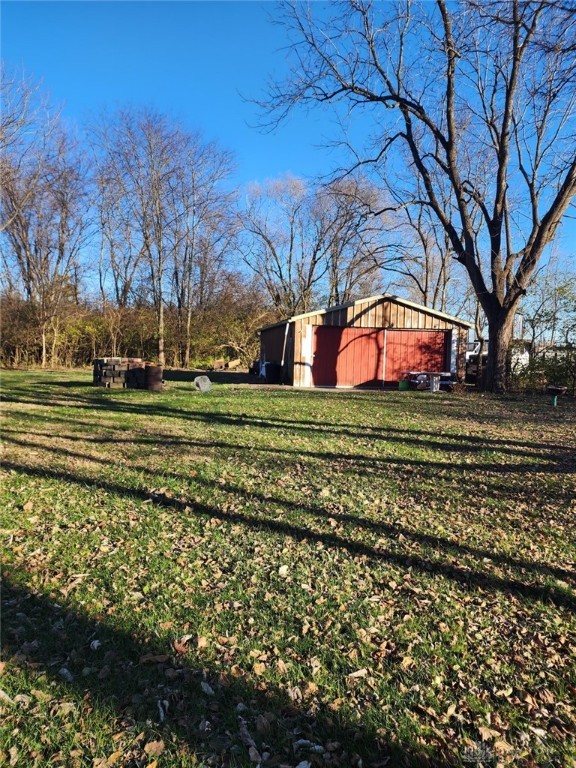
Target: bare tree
x=424, y=265
x=286, y=245
x=165, y=217
x=357, y=249
x=121, y=252
x=27, y=124
x=481, y=96
x=204, y=217
x=140, y=154
x=549, y=312
x=308, y=245
x=46, y=226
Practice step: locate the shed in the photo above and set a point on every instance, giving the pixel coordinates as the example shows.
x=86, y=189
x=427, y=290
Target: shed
x=365, y=343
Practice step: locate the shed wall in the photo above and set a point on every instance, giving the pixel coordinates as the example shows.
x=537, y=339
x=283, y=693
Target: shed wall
x=271, y=343
x=277, y=344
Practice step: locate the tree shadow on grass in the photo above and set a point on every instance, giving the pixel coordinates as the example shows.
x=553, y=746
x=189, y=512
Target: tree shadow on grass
x=478, y=479
x=136, y=682
x=444, y=566
x=377, y=526
x=165, y=690
x=145, y=681
x=420, y=438
x=183, y=376
x=72, y=384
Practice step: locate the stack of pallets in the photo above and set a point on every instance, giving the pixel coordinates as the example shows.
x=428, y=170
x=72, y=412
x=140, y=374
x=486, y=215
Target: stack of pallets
x=120, y=373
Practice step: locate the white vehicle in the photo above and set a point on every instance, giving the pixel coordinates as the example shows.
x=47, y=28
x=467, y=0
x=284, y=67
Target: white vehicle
x=472, y=355
x=519, y=358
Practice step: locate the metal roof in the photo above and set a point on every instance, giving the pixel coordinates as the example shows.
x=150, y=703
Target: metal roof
x=378, y=297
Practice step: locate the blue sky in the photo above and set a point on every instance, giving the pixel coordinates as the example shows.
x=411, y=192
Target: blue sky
x=195, y=60
x=198, y=60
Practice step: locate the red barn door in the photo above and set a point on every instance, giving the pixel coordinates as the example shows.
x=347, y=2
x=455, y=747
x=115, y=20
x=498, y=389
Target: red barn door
x=415, y=351
x=347, y=357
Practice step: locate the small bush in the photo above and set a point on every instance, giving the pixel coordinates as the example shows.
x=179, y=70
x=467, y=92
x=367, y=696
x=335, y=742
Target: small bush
x=557, y=368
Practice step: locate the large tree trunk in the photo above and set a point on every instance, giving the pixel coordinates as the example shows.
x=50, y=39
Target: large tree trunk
x=500, y=328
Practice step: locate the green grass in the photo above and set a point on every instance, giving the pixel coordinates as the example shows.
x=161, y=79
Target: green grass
x=332, y=578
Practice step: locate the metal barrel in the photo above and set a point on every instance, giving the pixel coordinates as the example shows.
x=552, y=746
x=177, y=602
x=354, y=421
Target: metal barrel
x=154, y=378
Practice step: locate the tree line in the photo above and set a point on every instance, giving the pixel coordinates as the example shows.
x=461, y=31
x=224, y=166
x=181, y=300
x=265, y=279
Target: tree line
x=128, y=237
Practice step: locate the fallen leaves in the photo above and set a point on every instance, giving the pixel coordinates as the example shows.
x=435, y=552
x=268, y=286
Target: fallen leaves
x=114, y=758
x=386, y=605
x=41, y=695
x=5, y=697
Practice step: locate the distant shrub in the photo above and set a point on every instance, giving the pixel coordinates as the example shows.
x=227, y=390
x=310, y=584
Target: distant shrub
x=556, y=367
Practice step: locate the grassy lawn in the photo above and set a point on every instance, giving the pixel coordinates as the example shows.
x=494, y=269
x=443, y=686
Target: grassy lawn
x=286, y=578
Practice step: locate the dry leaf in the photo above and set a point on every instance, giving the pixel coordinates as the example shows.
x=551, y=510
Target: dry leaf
x=310, y=689
x=180, y=647
x=154, y=748
x=40, y=695
x=501, y=746
x=262, y=724
x=151, y=658
x=245, y=736
x=5, y=698
x=487, y=733
x=359, y=673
